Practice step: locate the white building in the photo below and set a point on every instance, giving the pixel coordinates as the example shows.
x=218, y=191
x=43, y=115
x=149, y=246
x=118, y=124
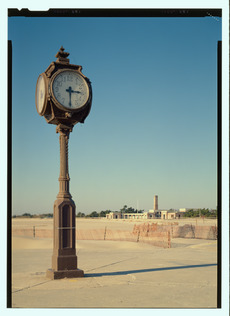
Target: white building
x=119, y=215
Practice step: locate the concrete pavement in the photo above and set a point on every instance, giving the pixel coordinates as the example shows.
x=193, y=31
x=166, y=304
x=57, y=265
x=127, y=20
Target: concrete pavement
x=118, y=275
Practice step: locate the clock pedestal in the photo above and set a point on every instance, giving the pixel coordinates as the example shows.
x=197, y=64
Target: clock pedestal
x=64, y=98
x=64, y=259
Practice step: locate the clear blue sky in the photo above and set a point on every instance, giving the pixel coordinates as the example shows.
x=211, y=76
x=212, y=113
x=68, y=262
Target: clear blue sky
x=153, y=124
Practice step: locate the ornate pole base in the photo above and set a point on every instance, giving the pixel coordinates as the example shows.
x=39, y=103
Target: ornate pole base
x=54, y=275
x=64, y=259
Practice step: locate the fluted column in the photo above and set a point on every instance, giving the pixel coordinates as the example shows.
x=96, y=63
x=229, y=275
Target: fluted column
x=64, y=167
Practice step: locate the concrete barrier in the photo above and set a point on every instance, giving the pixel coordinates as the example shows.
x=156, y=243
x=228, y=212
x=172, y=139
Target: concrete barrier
x=176, y=231
x=160, y=239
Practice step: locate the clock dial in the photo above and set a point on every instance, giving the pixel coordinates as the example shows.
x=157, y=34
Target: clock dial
x=40, y=94
x=70, y=89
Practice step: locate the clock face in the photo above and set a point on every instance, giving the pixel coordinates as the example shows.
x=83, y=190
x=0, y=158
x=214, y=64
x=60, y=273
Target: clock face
x=70, y=89
x=40, y=94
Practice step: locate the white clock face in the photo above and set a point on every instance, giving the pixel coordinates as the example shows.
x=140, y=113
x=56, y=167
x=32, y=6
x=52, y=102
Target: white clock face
x=40, y=94
x=70, y=89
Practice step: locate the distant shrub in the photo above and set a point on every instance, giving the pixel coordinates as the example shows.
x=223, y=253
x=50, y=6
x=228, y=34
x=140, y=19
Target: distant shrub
x=48, y=215
x=27, y=215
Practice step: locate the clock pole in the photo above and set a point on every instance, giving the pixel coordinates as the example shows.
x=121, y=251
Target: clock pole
x=64, y=132
x=64, y=259
x=64, y=97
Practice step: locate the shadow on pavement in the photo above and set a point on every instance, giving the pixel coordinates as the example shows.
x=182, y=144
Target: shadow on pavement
x=90, y=275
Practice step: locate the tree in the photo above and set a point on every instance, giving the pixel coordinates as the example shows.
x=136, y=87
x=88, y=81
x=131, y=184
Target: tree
x=191, y=213
x=130, y=209
x=124, y=209
x=200, y=212
x=80, y=214
x=103, y=213
x=27, y=215
x=94, y=214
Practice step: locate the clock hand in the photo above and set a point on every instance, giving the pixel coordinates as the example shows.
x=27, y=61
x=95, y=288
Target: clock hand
x=71, y=91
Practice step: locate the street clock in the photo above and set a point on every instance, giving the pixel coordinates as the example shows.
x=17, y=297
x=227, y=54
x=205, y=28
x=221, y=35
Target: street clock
x=63, y=97
x=63, y=93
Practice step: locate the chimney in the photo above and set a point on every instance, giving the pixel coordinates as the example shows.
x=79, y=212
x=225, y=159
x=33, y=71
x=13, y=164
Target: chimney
x=155, y=203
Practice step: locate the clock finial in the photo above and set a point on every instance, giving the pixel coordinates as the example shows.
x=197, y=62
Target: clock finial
x=62, y=56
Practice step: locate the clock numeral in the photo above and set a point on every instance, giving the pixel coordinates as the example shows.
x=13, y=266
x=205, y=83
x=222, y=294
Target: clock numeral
x=56, y=89
x=58, y=95
x=63, y=100
x=81, y=87
x=70, y=78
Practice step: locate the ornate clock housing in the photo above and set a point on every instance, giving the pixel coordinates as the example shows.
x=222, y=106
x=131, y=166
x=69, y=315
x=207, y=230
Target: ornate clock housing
x=63, y=93
x=41, y=94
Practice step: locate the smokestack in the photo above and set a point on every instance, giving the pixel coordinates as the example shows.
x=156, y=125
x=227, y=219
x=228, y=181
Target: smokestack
x=155, y=203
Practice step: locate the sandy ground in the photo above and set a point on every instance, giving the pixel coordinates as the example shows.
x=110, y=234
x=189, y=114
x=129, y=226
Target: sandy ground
x=117, y=274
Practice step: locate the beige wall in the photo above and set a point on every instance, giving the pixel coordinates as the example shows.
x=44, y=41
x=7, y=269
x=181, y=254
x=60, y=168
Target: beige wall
x=168, y=215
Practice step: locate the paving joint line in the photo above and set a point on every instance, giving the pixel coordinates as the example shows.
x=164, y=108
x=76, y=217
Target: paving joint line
x=28, y=287
x=109, y=264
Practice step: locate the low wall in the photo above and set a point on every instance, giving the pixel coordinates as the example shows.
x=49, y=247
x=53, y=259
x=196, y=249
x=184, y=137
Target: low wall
x=198, y=232
x=154, y=234
x=176, y=231
x=33, y=232
x=160, y=239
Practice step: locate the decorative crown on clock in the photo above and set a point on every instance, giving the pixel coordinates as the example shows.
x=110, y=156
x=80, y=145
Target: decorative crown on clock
x=62, y=56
